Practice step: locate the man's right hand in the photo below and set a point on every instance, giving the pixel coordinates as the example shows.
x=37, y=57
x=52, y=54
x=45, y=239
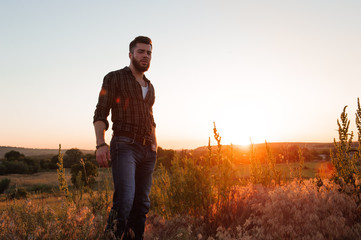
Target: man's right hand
x=103, y=156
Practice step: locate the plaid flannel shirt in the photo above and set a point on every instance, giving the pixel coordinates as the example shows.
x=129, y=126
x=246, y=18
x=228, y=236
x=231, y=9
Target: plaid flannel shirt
x=123, y=95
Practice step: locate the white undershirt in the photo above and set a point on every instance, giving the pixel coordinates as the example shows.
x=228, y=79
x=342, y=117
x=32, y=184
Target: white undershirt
x=145, y=91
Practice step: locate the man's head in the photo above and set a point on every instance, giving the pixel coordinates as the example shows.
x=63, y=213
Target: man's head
x=140, y=53
x=139, y=39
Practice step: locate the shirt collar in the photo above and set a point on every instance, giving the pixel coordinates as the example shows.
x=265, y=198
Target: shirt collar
x=130, y=71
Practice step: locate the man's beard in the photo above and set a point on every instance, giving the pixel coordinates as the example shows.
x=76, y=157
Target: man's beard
x=138, y=66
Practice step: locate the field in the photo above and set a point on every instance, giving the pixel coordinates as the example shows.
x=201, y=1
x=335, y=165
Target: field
x=208, y=194
x=49, y=178
x=86, y=211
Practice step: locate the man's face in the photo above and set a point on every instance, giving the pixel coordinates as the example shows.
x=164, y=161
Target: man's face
x=141, y=56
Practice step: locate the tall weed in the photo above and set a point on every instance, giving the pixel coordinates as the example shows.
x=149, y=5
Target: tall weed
x=343, y=159
x=200, y=189
x=266, y=173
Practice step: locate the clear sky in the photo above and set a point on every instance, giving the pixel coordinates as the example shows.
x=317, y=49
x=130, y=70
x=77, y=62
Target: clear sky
x=269, y=70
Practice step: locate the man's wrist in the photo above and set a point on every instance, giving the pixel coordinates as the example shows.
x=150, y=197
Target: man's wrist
x=101, y=145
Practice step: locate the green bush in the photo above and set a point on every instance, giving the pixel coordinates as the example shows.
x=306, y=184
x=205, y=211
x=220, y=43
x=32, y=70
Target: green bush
x=194, y=187
x=71, y=157
x=3, y=169
x=17, y=193
x=34, y=165
x=53, y=162
x=13, y=155
x=165, y=157
x=19, y=167
x=83, y=174
x=41, y=188
x=4, y=184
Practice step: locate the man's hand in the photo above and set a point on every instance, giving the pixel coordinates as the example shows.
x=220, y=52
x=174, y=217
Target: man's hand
x=103, y=156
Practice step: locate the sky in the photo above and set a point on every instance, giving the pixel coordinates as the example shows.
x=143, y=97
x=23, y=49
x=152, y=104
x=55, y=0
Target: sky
x=275, y=71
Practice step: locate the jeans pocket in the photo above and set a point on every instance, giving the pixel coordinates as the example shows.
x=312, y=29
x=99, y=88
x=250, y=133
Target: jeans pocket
x=120, y=140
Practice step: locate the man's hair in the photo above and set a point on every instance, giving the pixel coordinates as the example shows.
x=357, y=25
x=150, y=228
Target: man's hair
x=139, y=39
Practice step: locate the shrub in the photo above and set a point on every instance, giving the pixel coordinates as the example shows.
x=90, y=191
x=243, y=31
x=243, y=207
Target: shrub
x=266, y=173
x=84, y=174
x=4, y=184
x=3, y=169
x=41, y=188
x=195, y=187
x=344, y=160
x=72, y=156
x=54, y=162
x=13, y=155
x=165, y=157
x=33, y=165
x=19, y=167
x=17, y=193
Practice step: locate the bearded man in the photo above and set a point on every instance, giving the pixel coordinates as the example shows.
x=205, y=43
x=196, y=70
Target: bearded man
x=132, y=152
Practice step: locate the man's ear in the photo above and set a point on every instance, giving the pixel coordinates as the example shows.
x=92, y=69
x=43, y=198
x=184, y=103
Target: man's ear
x=130, y=55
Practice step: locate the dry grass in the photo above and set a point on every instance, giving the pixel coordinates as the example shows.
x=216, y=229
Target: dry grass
x=42, y=199
x=309, y=171
x=49, y=178
x=23, y=180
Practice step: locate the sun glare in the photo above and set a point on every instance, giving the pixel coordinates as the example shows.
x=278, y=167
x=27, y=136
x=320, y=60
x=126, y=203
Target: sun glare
x=244, y=128
x=244, y=137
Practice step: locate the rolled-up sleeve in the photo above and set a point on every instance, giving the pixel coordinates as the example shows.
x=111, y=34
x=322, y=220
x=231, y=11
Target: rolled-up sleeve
x=105, y=100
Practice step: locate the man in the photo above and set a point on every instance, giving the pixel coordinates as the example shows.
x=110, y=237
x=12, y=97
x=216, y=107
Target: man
x=130, y=97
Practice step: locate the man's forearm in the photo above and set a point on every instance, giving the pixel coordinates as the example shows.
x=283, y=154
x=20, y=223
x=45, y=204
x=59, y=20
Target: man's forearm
x=99, y=127
x=154, y=138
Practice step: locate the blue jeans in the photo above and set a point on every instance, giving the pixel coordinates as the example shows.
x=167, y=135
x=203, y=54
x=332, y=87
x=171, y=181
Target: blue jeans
x=132, y=168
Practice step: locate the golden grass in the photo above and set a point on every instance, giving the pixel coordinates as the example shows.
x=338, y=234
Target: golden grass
x=49, y=178
x=42, y=199
x=309, y=171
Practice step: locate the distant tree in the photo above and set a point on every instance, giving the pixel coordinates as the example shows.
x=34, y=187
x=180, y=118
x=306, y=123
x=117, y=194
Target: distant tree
x=34, y=165
x=91, y=158
x=47, y=163
x=72, y=156
x=165, y=157
x=13, y=155
x=4, y=184
x=83, y=173
x=53, y=162
x=44, y=163
x=3, y=169
x=18, y=167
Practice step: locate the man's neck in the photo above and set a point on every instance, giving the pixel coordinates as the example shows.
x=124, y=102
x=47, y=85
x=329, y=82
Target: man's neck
x=138, y=75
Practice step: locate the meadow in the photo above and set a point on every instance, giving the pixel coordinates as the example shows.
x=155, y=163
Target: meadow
x=26, y=218
x=50, y=178
x=207, y=196
x=219, y=200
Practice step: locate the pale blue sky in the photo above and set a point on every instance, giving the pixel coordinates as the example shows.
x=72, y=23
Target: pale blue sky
x=269, y=70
